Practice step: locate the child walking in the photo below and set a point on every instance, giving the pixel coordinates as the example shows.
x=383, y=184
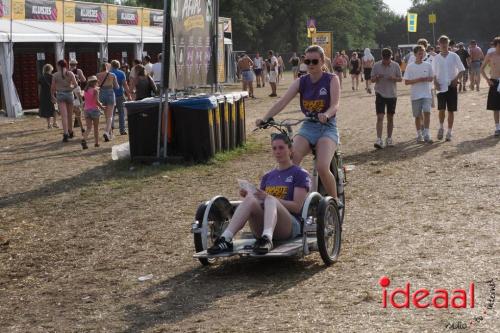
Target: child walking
x=92, y=113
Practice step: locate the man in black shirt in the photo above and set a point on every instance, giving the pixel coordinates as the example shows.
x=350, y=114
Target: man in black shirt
x=464, y=76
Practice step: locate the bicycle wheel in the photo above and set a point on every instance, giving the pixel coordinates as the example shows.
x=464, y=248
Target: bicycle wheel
x=213, y=224
x=328, y=231
x=335, y=166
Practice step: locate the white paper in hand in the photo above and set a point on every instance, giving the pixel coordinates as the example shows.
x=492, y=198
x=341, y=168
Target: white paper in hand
x=247, y=186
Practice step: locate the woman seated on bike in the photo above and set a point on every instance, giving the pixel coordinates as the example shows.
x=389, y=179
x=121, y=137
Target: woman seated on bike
x=274, y=209
x=319, y=99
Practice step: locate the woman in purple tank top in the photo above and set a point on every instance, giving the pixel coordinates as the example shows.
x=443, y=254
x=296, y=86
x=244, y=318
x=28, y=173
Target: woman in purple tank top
x=319, y=98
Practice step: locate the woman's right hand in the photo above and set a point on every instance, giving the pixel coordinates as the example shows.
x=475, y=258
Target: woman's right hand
x=243, y=193
x=259, y=122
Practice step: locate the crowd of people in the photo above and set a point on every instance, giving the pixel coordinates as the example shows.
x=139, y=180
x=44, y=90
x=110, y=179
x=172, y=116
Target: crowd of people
x=272, y=211
x=102, y=94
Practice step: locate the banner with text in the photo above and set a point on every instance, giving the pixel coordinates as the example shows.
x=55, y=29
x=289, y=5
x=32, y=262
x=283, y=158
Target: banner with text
x=45, y=10
x=192, y=39
x=325, y=40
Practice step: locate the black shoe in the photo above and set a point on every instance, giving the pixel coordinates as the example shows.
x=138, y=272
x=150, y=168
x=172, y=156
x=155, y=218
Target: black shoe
x=220, y=246
x=263, y=245
x=123, y=132
x=84, y=144
x=65, y=138
x=83, y=130
x=71, y=135
x=96, y=145
x=106, y=137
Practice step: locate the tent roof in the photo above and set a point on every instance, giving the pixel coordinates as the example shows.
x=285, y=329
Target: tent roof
x=42, y=31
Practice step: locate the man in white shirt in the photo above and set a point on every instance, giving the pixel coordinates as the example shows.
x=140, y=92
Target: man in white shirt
x=273, y=73
x=156, y=71
x=419, y=75
x=424, y=43
x=446, y=67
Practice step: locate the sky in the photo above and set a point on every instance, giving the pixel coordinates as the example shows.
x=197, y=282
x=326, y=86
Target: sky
x=399, y=6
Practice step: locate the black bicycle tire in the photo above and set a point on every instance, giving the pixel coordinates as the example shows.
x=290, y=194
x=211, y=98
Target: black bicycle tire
x=328, y=204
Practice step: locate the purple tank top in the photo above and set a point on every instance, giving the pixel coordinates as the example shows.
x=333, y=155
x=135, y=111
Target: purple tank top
x=315, y=97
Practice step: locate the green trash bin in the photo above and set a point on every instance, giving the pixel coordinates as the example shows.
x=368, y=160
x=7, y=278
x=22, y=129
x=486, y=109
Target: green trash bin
x=194, y=127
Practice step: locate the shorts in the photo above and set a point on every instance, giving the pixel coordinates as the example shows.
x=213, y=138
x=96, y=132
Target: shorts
x=337, y=69
x=92, y=114
x=494, y=97
x=381, y=103
x=475, y=67
x=272, y=76
x=448, y=99
x=300, y=73
x=107, y=97
x=65, y=96
x=258, y=71
x=295, y=228
x=421, y=105
x=312, y=131
x=247, y=75
x=368, y=73
x=354, y=72
x=464, y=76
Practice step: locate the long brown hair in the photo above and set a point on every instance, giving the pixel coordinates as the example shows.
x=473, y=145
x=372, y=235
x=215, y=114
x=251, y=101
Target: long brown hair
x=62, y=64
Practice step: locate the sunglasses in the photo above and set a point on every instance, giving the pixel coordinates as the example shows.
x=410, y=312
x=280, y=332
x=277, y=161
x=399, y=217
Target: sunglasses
x=311, y=61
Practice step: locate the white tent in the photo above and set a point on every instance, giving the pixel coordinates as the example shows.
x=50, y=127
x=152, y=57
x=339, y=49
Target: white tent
x=32, y=31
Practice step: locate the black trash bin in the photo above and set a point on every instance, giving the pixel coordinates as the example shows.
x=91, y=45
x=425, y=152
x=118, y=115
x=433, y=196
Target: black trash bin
x=194, y=133
x=224, y=121
x=218, y=123
x=239, y=105
x=232, y=120
x=143, y=120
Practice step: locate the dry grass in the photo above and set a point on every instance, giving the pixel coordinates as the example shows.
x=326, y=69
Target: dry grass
x=77, y=230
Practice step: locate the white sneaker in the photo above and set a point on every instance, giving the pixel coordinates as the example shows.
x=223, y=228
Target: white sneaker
x=428, y=139
x=420, y=138
x=440, y=134
x=379, y=144
x=388, y=142
x=448, y=136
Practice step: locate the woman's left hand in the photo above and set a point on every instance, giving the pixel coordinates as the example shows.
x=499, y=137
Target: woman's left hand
x=261, y=195
x=323, y=118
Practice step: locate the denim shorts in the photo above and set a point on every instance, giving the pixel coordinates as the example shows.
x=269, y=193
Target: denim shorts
x=107, y=97
x=421, y=105
x=65, y=96
x=92, y=114
x=247, y=75
x=312, y=131
x=295, y=228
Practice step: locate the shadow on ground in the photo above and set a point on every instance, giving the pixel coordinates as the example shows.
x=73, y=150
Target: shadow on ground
x=194, y=291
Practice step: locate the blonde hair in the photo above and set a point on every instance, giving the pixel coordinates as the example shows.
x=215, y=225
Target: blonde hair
x=317, y=49
x=47, y=68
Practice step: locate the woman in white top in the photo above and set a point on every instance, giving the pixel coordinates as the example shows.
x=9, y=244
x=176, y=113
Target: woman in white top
x=367, y=65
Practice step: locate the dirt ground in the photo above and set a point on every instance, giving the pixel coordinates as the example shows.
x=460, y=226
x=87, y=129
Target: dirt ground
x=77, y=231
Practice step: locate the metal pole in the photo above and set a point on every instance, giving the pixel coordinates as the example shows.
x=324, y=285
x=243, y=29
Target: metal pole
x=63, y=30
x=433, y=34
x=215, y=53
x=165, y=63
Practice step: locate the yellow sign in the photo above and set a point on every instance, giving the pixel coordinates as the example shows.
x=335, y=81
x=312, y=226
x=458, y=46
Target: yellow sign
x=325, y=40
x=412, y=22
x=432, y=19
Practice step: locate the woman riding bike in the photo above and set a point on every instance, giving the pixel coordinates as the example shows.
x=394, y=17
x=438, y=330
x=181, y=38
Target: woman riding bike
x=319, y=98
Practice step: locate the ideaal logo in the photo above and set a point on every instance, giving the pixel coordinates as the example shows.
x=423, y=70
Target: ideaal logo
x=423, y=298
x=439, y=299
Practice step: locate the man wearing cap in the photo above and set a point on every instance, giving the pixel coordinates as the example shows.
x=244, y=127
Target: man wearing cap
x=77, y=93
x=122, y=89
